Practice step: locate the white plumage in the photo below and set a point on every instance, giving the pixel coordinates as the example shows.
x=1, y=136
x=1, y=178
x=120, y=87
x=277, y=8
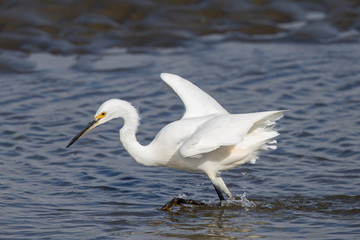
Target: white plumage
x=206, y=139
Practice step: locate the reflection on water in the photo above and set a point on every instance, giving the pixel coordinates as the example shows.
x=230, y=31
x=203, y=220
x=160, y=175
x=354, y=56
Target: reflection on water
x=215, y=223
x=59, y=60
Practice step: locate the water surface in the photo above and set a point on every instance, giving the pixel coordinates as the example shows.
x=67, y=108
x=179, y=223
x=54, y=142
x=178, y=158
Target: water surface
x=307, y=188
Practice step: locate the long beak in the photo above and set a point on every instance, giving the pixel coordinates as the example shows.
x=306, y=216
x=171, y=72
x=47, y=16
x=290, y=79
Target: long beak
x=88, y=127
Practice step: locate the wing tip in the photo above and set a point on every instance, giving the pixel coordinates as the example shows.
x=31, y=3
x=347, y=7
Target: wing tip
x=168, y=76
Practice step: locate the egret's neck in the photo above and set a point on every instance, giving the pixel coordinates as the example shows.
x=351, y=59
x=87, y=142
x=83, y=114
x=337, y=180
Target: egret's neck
x=128, y=135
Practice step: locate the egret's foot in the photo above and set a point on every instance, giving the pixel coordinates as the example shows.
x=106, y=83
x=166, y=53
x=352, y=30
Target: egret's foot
x=178, y=201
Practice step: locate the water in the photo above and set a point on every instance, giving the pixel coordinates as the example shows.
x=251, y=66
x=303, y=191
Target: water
x=52, y=84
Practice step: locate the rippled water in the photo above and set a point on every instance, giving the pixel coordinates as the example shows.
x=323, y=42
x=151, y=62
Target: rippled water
x=307, y=188
x=86, y=26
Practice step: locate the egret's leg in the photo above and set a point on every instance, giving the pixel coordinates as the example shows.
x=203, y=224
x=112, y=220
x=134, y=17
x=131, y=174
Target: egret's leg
x=219, y=183
x=218, y=191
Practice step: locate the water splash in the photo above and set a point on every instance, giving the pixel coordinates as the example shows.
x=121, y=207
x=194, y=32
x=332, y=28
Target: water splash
x=246, y=203
x=183, y=195
x=240, y=201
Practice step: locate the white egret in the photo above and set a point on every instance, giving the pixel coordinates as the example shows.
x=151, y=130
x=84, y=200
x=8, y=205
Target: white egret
x=207, y=139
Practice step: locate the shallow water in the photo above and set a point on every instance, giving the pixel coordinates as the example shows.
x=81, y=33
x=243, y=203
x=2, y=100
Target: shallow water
x=307, y=188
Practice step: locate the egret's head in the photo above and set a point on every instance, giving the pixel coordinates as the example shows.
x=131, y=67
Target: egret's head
x=105, y=113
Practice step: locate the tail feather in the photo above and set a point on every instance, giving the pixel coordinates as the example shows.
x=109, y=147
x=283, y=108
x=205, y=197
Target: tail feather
x=260, y=137
x=267, y=122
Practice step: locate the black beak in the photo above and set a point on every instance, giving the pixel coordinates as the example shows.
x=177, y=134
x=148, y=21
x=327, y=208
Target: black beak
x=82, y=132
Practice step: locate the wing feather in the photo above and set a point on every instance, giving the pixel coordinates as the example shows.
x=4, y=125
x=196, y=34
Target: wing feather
x=226, y=130
x=197, y=102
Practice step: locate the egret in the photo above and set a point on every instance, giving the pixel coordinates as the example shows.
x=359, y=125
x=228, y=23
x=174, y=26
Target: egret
x=207, y=139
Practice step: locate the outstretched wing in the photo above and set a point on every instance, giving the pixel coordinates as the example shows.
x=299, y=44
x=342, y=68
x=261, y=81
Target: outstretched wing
x=197, y=102
x=226, y=130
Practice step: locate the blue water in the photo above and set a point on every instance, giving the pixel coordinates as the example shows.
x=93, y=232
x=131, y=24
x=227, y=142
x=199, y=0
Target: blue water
x=308, y=188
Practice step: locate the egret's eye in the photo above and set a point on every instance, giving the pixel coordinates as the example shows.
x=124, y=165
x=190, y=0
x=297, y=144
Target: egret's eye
x=100, y=116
